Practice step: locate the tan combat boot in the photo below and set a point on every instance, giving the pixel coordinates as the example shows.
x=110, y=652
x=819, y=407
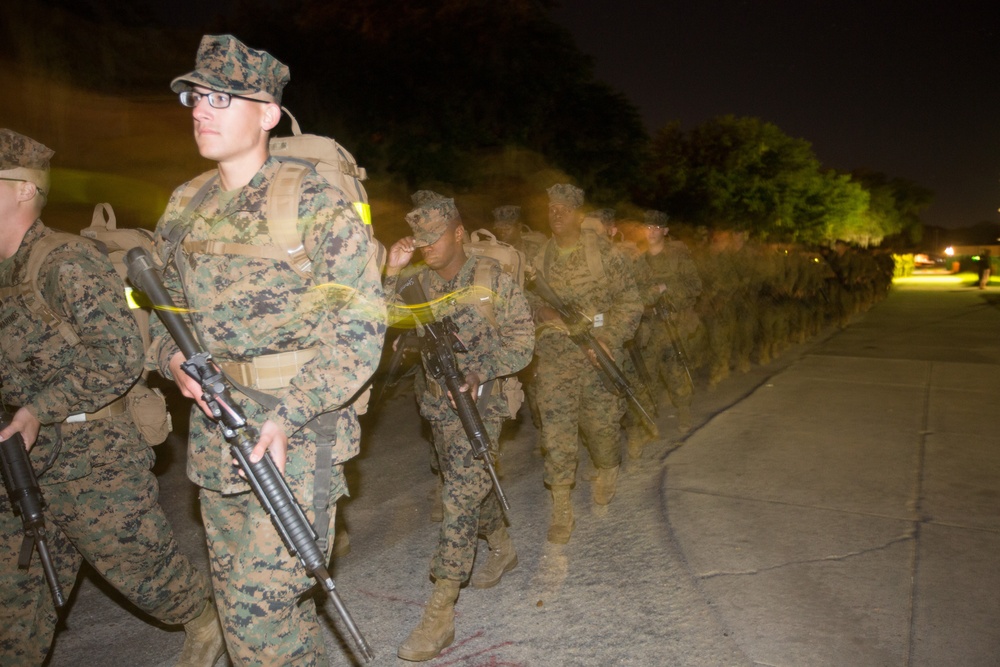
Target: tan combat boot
x=561, y=526
x=605, y=485
x=502, y=560
x=436, y=629
x=341, y=542
x=203, y=642
x=637, y=439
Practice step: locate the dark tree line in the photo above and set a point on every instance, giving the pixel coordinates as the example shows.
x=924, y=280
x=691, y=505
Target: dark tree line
x=435, y=92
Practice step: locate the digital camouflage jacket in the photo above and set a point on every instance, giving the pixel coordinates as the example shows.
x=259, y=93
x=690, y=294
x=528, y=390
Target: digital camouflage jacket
x=42, y=370
x=244, y=307
x=492, y=351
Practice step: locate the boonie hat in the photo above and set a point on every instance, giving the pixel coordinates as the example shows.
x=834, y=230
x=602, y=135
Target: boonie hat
x=429, y=221
x=227, y=65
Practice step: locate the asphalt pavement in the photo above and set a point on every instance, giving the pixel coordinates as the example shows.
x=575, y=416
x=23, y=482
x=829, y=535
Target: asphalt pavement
x=838, y=506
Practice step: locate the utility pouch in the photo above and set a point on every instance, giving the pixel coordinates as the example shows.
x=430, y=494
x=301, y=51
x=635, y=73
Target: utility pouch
x=148, y=409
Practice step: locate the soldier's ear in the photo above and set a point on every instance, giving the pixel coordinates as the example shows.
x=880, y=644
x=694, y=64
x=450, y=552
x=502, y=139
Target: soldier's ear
x=270, y=117
x=26, y=191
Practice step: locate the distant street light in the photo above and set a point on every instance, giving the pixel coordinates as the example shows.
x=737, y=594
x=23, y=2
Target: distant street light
x=949, y=251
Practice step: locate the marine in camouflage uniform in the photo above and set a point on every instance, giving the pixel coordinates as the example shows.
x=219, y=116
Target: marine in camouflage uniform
x=639, y=429
x=498, y=342
x=720, y=267
x=93, y=466
x=586, y=272
x=508, y=227
x=670, y=287
x=320, y=332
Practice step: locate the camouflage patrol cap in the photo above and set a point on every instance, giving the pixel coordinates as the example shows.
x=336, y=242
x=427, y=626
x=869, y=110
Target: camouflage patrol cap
x=564, y=193
x=227, y=65
x=421, y=197
x=657, y=218
x=430, y=220
x=24, y=159
x=606, y=216
x=506, y=215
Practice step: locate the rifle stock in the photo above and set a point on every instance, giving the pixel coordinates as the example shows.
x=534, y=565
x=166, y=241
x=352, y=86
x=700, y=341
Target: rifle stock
x=264, y=477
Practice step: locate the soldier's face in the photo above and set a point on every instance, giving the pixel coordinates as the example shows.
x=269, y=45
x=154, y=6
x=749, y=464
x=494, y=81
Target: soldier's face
x=654, y=233
x=507, y=233
x=226, y=135
x=445, y=250
x=563, y=219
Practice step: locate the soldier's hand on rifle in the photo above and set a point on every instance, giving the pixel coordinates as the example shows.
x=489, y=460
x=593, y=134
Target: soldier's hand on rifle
x=399, y=255
x=188, y=385
x=273, y=440
x=593, y=356
x=471, y=386
x=547, y=314
x=25, y=423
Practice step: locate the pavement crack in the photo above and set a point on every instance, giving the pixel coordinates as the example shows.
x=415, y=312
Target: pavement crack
x=831, y=558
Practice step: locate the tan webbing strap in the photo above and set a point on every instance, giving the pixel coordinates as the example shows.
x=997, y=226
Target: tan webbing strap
x=194, y=187
x=283, y=216
x=221, y=248
x=482, y=293
x=593, y=255
x=112, y=409
x=269, y=371
x=322, y=479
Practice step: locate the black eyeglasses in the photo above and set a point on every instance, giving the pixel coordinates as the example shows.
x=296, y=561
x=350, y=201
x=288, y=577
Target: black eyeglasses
x=190, y=98
x=21, y=180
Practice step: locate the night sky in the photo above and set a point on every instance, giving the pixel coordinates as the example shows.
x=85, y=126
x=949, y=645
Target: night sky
x=911, y=89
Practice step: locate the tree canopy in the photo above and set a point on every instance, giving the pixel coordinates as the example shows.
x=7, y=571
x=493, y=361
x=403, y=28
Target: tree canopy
x=473, y=95
x=744, y=173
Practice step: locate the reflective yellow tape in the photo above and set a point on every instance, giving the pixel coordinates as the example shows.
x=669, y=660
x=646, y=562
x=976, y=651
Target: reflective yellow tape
x=364, y=212
x=130, y=299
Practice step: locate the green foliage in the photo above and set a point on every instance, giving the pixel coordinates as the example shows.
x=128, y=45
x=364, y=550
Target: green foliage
x=744, y=173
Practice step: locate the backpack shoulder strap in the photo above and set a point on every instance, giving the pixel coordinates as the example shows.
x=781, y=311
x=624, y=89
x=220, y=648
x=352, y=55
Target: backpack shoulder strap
x=195, y=190
x=282, y=218
x=283, y=214
x=593, y=254
x=32, y=292
x=482, y=292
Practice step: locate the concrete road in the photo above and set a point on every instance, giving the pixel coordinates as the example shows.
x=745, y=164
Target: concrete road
x=838, y=506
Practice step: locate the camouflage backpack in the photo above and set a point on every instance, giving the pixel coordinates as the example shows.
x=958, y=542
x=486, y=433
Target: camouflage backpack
x=511, y=261
x=146, y=405
x=299, y=154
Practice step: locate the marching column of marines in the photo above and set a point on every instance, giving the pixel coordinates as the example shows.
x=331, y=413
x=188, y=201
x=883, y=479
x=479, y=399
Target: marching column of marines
x=302, y=326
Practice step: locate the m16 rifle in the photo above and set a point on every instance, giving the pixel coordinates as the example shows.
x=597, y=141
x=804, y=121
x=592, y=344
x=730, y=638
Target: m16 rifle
x=612, y=376
x=264, y=477
x=404, y=344
x=26, y=500
x=664, y=310
x=439, y=343
x=641, y=370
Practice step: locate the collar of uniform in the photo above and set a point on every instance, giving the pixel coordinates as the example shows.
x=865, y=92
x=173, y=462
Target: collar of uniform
x=462, y=279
